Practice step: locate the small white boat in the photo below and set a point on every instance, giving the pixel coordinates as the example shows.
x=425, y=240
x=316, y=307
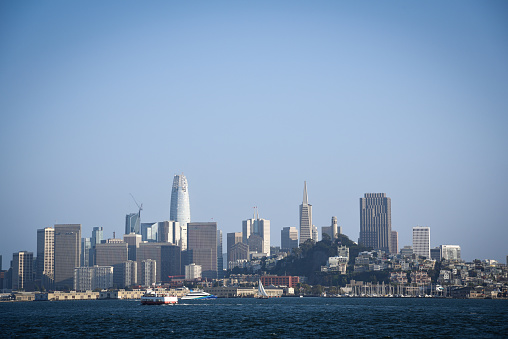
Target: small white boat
x=157, y=298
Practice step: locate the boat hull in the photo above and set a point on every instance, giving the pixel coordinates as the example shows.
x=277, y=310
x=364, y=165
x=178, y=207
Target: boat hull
x=159, y=300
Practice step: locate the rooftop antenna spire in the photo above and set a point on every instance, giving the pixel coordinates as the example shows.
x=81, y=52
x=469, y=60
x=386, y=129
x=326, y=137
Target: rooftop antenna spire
x=305, y=197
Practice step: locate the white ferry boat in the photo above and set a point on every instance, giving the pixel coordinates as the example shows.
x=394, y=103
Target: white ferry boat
x=157, y=298
x=198, y=295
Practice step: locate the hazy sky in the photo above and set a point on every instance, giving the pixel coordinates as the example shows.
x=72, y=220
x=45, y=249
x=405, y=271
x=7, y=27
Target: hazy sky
x=100, y=99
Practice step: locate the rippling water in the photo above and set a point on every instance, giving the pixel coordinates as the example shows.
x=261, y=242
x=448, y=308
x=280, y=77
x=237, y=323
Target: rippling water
x=280, y=318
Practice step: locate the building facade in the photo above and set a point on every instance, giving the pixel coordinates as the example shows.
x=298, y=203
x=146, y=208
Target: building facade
x=67, y=254
x=305, y=217
x=45, y=274
x=91, y=278
x=133, y=223
x=288, y=238
x=22, y=271
x=421, y=241
x=202, y=247
x=376, y=221
x=450, y=252
x=180, y=206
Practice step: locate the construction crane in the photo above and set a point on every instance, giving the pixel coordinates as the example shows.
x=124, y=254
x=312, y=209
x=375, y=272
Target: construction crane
x=140, y=207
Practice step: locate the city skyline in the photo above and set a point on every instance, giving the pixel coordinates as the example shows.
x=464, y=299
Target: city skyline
x=101, y=100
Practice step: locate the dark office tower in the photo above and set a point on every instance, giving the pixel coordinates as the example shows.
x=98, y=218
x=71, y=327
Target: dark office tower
x=220, y=260
x=113, y=254
x=22, y=271
x=45, y=273
x=133, y=223
x=86, y=248
x=394, y=242
x=376, y=221
x=133, y=241
x=288, y=238
x=231, y=240
x=305, y=217
x=202, y=247
x=167, y=256
x=97, y=236
x=67, y=254
x=179, y=209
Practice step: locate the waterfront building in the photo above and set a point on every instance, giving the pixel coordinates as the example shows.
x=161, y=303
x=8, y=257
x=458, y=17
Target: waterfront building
x=202, y=247
x=67, y=254
x=450, y=252
x=395, y=242
x=180, y=207
x=280, y=281
x=133, y=240
x=220, y=260
x=45, y=257
x=305, y=217
x=421, y=241
x=148, y=270
x=133, y=223
x=86, y=247
x=376, y=221
x=288, y=238
x=91, y=278
x=192, y=271
x=22, y=271
x=150, y=231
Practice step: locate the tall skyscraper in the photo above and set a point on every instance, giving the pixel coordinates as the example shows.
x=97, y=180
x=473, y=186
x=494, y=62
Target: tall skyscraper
x=86, y=248
x=232, y=239
x=167, y=256
x=113, y=254
x=67, y=254
x=133, y=241
x=180, y=207
x=305, y=217
x=256, y=233
x=394, y=242
x=45, y=257
x=22, y=271
x=421, y=241
x=133, y=223
x=202, y=247
x=288, y=238
x=376, y=221
x=220, y=261
x=97, y=237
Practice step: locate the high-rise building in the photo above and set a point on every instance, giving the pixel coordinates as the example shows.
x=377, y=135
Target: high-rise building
x=376, y=221
x=91, y=278
x=305, y=217
x=130, y=273
x=97, y=237
x=202, y=247
x=421, y=241
x=148, y=272
x=435, y=253
x=133, y=223
x=220, y=261
x=67, y=254
x=113, y=254
x=86, y=247
x=167, y=256
x=45, y=257
x=231, y=240
x=394, y=242
x=450, y=252
x=315, y=234
x=180, y=207
x=288, y=238
x=133, y=240
x=150, y=231
x=169, y=231
x=22, y=271
x=192, y=271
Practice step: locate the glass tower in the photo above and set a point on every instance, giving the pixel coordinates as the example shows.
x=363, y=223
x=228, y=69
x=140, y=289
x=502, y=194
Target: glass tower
x=180, y=209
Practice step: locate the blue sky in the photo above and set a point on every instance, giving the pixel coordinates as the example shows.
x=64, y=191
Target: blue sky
x=248, y=100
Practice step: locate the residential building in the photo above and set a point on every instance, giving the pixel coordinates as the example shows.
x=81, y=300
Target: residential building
x=421, y=241
x=91, y=278
x=130, y=273
x=148, y=272
x=45, y=274
x=22, y=271
x=305, y=217
x=67, y=254
x=192, y=271
x=376, y=221
x=288, y=238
